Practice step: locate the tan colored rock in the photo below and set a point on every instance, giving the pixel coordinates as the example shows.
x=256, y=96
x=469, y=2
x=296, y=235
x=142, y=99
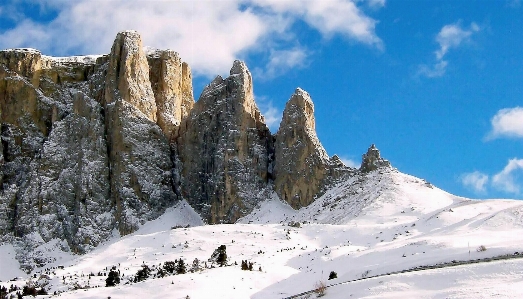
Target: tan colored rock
x=128, y=75
x=25, y=62
x=372, y=160
x=224, y=148
x=171, y=82
x=139, y=152
x=301, y=163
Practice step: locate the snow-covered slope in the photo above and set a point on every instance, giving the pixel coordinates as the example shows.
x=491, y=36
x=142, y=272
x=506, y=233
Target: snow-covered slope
x=368, y=225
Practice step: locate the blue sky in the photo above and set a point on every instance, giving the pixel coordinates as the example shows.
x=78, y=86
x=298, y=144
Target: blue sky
x=436, y=85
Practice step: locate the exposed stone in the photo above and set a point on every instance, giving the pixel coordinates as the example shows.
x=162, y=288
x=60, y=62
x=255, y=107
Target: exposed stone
x=128, y=75
x=139, y=153
x=80, y=153
x=224, y=149
x=171, y=82
x=371, y=160
x=301, y=165
x=25, y=62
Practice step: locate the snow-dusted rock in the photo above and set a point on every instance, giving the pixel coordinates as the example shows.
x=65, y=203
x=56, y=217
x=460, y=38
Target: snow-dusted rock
x=224, y=149
x=302, y=166
x=139, y=152
x=171, y=82
x=372, y=160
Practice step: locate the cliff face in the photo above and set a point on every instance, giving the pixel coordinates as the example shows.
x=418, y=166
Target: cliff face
x=90, y=145
x=302, y=167
x=225, y=149
x=85, y=143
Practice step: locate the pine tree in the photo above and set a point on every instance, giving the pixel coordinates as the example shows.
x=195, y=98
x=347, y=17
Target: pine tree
x=112, y=279
x=180, y=267
x=170, y=267
x=142, y=274
x=222, y=256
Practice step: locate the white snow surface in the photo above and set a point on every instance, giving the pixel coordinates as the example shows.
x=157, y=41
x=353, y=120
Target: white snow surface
x=368, y=225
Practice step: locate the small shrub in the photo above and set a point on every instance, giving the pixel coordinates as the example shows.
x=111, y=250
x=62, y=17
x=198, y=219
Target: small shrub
x=196, y=266
x=333, y=275
x=244, y=266
x=320, y=288
x=481, y=248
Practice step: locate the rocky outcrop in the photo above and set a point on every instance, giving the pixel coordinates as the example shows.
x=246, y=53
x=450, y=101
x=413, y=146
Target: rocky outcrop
x=372, y=160
x=225, y=149
x=128, y=75
x=139, y=152
x=90, y=145
x=302, y=166
x=81, y=153
x=171, y=82
x=55, y=165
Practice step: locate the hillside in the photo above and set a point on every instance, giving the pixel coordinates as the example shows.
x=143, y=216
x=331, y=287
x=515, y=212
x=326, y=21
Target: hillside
x=376, y=223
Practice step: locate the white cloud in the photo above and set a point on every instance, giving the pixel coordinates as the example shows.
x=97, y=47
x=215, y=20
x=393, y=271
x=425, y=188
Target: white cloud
x=507, y=123
x=350, y=162
x=207, y=34
x=280, y=61
x=475, y=181
x=449, y=37
x=510, y=179
x=376, y=3
x=437, y=70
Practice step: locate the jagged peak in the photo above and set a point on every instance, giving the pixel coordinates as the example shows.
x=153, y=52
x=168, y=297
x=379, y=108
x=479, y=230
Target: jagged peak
x=372, y=160
x=239, y=68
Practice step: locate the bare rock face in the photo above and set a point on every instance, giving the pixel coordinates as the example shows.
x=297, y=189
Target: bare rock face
x=81, y=153
x=139, y=152
x=302, y=165
x=225, y=149
x=171, y=82
x=54, y=166
x=128, y=75
x=372, y=160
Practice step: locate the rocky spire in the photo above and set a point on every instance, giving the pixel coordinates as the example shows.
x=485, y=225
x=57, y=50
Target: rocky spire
x=128, y=75
x=171, y=82
x=139, y=152
x=301, y=162
x=224, y=148
x=372, y=160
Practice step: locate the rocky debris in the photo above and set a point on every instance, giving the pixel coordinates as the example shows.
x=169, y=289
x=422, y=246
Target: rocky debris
x=225, y=149
x=371, y=160
x=171, y=82
x=302, y=167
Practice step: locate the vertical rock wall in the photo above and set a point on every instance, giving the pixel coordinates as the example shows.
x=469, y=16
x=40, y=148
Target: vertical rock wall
x=224, y=147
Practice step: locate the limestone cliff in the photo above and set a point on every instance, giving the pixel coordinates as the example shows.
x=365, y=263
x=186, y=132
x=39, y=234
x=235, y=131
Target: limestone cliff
x=302, y=166
x=171, y=82
x=225, y=149
x=96, y=144
x=82, y=150
x=139, y=153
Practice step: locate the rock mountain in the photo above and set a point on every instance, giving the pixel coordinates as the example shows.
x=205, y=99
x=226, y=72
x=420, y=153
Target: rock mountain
x=90, y=145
